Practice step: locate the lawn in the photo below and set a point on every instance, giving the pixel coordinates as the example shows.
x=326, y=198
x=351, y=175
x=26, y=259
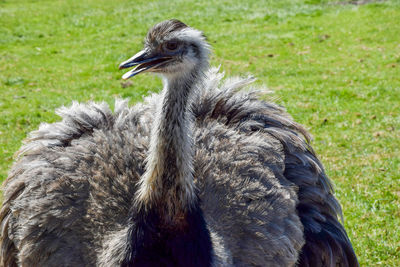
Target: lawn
x=335, y=65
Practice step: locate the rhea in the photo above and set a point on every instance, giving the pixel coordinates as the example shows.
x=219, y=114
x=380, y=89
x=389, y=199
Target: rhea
x=202, y=174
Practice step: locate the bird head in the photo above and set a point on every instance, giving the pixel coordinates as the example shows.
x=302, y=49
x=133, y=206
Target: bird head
x=171, y=47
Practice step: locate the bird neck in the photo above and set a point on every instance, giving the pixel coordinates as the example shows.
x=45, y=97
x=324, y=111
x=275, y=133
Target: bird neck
x=167, y=183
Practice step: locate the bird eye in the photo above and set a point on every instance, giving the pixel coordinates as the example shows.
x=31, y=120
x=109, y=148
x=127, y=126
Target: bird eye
x=171, y=46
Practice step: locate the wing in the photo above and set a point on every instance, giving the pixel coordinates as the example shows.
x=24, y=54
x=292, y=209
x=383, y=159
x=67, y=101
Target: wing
x=327, y=243
x=58, y=182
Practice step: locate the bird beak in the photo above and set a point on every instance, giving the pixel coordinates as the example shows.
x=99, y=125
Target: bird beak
x=143, y=62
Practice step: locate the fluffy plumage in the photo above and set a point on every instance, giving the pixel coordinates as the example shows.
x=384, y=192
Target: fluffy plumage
x=261, y=197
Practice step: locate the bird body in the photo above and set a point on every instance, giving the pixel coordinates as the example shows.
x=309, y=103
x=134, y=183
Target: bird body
x=202, y=174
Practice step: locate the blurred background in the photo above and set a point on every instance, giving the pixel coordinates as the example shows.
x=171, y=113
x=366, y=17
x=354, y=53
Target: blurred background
x=335, y=66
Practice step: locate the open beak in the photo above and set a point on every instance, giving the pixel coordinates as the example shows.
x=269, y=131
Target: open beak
x=143, y=62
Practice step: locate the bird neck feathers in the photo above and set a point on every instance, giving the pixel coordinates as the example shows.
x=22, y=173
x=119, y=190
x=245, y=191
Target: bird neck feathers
x=168, y=180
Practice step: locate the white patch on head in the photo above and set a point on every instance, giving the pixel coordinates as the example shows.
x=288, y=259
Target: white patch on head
x=187, y=34
x=193, y=36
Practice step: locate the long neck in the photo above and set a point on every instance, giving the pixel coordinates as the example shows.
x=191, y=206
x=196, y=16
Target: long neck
x=168, y=180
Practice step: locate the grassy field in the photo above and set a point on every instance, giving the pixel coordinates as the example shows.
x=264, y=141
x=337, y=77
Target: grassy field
x=335, y=65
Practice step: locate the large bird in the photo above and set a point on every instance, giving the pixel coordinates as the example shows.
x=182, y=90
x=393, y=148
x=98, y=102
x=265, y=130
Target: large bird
x=202, y=174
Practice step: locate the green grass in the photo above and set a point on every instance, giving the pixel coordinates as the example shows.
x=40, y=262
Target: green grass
x=336, y=67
